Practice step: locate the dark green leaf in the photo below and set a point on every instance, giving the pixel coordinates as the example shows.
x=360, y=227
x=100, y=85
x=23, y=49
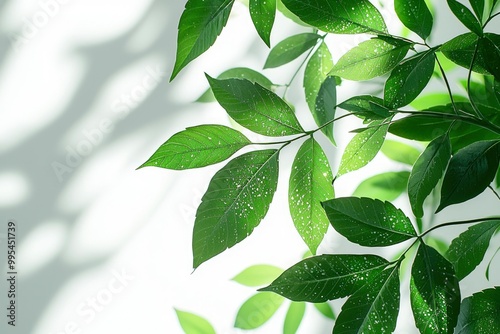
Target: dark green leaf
x=498, y=178
x=193, y=324
x=461, y=49
x=237, y=199
x=385, y=187
x=465, y=16
x=489, y=48
x=200, y=24
x=362, y=148
x=373, y=308
x=400, y=152
x=310, y=184
x=478, y=7
x=255, y=107
x=263, y=13
x=238, y=73
x=338, y=16
x=470, y=172
x=325, y=309
x=326, y=104
x=198, y=146
x=479, y=313
x=326, y=277
x=258, y=275
x=371, y=59
x=427, y=171
x=367, y=107
x=317, y=69
x=415, y=15
x=290, y=48
x=408, y=80
x=257, y=310
x=369, y=222
x=434, y=292
x=467, y=250
x=294, y=317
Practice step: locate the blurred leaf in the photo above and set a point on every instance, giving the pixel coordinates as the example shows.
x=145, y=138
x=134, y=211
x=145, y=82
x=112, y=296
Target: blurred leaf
x=325, y=309
x=385, y=186
x=465, y=16
x=193, y=324
x=426, y=101
x=479, y=313
x=326, y=104
x=237, y=199
x=367, y=107
x=294, y=317
x=326, y=277
x=255, y=107
x=200, y=24
x=288, y=14
x=263, y=13
x=400, y=152
x=258, y=275
x=415, y=15
x=290, y=48
x=198, y=146
x=257, y=310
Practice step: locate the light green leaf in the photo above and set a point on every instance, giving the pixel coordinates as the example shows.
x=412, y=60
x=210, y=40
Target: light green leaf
x=288, y=14
x=263, y=13
x=317, y=69
x=257, y=310
x=291, y=48
x=385, y=187
x=362, y=148
x=238, y=73
x=193, y=324
x=465, y=16
x=258, y=275
x=325, y=309
x=326, y=277
x=369, y=222
x=255, y=107
x=427, y=171
x=373, y=308
x=479, y=313
x=366, y=106
x=408, y=80
x=339, y=16
x=294, y=317
x=470, y=172
x=400, y=152
x=426, y=101
x=434, y=292
x=198, y=146
x=326, y=104
x=310, y=184
x=371, y=59
x=415, y=15
x=200, y=24
x=237, y=199
x=467, y=250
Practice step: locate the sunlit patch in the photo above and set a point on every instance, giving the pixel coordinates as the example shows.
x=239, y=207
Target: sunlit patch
x=14, y=189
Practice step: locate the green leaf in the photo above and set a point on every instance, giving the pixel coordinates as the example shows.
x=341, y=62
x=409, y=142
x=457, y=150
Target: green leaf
x=291, y=48
x=326, y=277
x=317, y=69
x=371, y=59
x=373, y=308
x=426, y=101
x=257, y=310
x=434, y=292
x=258, y=275
x=325, y=309
x=498, y=178
x=400, y=152
x=294, y=317
x=487, y=271
x=198, y=146
x=326, y=104
x=385, y=187
x=408, y=80
x=200, y=24
x=427, y=171
x=237, y=199
x=470, y=172
x=288, y=14
x=478, y=7
x=310, y=184
x=367, y=107
x=489, y=48
x=263, y=13
x=479, y=313
x=369, y=222
x=193, y=324
x=465, y=16
x=362, y=148
x=339, y=16
x=467, y=250
x=255, y=107
x=415, y=15
x=238, y=73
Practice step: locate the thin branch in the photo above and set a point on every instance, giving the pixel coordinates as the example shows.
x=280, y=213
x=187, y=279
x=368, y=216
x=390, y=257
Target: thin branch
x=461, y=222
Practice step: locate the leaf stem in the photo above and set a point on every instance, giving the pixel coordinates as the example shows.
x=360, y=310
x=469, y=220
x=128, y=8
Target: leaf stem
x=447, y=83
x=473, y=104
x=461, y=222
x=490, y=18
